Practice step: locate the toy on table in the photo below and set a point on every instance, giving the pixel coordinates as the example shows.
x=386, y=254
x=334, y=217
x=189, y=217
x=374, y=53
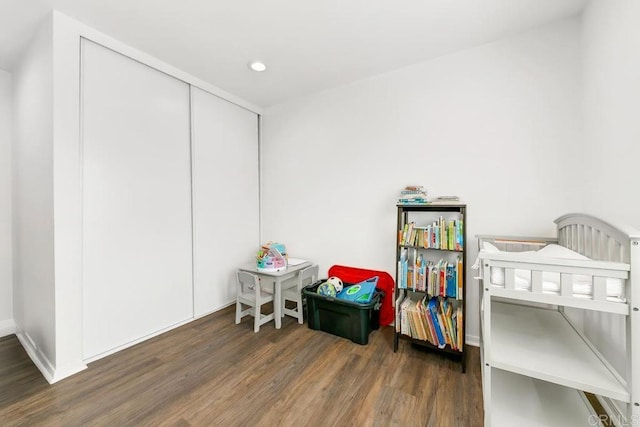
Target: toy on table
x=272, y=256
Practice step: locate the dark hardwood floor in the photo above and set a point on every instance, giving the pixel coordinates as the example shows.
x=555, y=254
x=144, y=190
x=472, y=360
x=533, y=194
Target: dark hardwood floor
x=213, y=372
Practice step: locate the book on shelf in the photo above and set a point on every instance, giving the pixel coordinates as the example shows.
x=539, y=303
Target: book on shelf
x=446, y=199
x=459, y=324
x=443, y=328
x=403, y=233
x=446, y=309
x=424, y=311
x=413, y=194
x=403, y=269
x=451, y=288
x=459, y=279
x=424, y=324
x=417, y=321
x=435, y=320
x=417, y=195
x=433, y=311
x=398, y=313
x=441, y=234
x=413, y=188
x=441, y=278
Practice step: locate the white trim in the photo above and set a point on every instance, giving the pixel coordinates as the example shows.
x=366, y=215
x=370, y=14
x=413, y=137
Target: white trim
x=192, y=155
x=260, y=179
x=473, y=340
x=215, y=310
x=7, y=327
x=39, y=359
x=50, y=373
x=67, y=370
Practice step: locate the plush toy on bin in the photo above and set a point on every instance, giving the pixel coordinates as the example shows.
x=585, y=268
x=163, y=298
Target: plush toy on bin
x=336, y=282
x=331, y=287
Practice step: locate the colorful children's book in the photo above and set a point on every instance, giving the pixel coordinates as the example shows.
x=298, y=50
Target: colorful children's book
x=451, y=286
x=433, y=311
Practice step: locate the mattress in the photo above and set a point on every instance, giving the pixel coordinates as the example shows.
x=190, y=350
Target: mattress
x=582, y=284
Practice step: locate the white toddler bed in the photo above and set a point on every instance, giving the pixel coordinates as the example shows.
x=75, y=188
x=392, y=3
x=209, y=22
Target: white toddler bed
x=589, y=266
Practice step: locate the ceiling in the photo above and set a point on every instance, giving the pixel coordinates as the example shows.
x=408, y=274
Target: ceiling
x=308, y=46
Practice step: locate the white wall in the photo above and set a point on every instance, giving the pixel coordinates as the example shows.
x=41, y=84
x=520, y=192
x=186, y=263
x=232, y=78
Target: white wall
x=34, y=301
x=7, y=325
x=611, y=49
x=66, y=193
x=611, y=52
x=492, y=124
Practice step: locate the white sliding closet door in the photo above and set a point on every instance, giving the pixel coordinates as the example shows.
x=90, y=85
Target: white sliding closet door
x=137, y=248
x=225, y=197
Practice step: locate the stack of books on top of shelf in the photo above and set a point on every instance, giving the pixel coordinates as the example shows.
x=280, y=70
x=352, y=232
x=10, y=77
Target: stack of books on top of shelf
x=413, y=195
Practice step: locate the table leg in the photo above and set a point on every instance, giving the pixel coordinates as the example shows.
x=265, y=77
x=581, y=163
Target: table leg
x=277, y=300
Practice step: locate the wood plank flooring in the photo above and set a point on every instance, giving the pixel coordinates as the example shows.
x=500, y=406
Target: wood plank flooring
x=213, y=372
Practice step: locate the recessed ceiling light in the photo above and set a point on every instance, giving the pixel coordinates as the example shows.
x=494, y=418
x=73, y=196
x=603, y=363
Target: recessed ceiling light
x=257, y=66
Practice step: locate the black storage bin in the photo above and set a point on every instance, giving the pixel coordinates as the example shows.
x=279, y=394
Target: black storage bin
x=340, y=317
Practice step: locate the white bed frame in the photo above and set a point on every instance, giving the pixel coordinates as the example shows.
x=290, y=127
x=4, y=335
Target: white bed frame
x=535, y=360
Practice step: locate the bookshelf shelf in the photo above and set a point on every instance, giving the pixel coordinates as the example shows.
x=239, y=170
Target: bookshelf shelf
x=430, y=277
x=431, y=249
x=536, y=403
x=520, y=334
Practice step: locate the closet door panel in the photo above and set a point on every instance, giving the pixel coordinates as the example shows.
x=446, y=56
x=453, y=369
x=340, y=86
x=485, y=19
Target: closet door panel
x=137, y=249
x=225, y=197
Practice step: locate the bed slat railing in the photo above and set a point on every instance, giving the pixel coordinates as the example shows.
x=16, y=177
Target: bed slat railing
x=599, y=289
x=536, y=281
x=567, y=270
x=510, y=278
x=566, y=285
x=588, y=245
x=595, y=238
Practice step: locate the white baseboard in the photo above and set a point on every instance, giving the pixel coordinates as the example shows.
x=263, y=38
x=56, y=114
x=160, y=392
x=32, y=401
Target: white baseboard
x=51, y=373
x=7, y=327
x=37, y=357
x=69, y=369
x=473, y=340
x=137, y=341
x=218, y=308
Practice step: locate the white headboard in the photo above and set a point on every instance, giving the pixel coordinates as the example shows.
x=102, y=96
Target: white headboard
x=595, y=238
